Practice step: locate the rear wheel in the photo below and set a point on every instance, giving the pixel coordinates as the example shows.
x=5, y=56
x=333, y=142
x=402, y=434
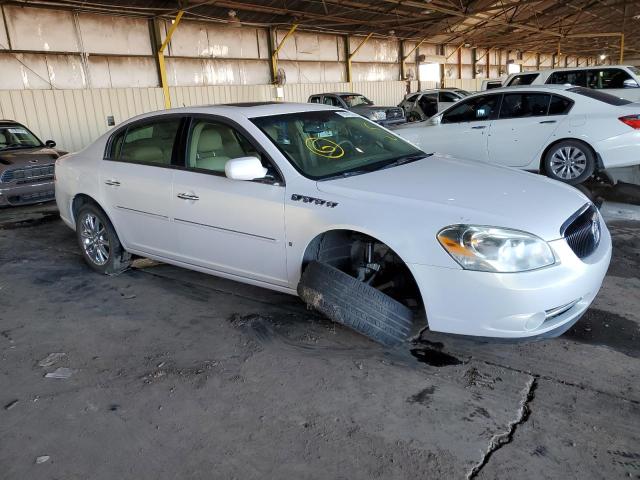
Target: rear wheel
x=357, y=305
x=99, y=243
x=569, y=161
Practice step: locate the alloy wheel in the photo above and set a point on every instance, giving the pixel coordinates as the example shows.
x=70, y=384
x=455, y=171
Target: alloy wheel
x=95, y=240
x=568, y=162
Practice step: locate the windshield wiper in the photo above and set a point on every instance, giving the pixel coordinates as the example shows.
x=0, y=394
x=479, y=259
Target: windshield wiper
x=405, y=159
x=348, y=173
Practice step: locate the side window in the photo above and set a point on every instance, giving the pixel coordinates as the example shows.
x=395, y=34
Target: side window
x=314, y=100
x=429, y=104
x=521, y=105
x=149, y=143
x=115, y=145
x=473, y=109
x=448, y=97
x=525, y=79
x=571, y=77
x=333, y=101
x=606, y=78
x=560, y=105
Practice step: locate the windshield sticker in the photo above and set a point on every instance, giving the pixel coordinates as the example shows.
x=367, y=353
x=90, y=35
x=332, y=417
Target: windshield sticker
x=324, y=148
x=20, y=131
x=345, y=114
x=325, y=134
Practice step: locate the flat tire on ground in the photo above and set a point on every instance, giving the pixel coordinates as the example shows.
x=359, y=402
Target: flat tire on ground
x=350, y=302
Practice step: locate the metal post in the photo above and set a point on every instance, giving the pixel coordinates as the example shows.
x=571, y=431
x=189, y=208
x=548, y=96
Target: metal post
x=274, y=55
x=621, y=48
x=161, y=64
x=350, y=56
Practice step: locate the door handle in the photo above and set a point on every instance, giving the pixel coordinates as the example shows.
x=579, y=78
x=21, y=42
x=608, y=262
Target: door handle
x=548, y=121
x=112, y=183
x=188, y=196
x=479, y=127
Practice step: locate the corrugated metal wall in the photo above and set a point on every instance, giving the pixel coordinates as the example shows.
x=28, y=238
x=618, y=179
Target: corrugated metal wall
x=74, y=118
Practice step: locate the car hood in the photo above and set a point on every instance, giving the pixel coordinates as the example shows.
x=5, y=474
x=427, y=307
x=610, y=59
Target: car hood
x=459, y=191
x=29, y=157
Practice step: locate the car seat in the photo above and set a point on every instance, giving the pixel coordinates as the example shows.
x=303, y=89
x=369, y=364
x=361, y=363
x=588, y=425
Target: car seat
x=209, y=151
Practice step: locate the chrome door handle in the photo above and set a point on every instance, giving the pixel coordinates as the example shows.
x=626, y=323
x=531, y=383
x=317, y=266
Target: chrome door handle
x=188, y=196
x=548, y=121
x=112, y=183
x=479, y=127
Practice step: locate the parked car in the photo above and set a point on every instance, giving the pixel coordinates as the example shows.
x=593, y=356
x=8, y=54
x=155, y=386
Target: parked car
x=491, y=83
x=319, y=201
x=567, y=133
x=619, y=80
x=26, y=166
x=426, y=103
x=361, y=105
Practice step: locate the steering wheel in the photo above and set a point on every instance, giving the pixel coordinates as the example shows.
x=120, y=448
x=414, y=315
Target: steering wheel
x=348, y=143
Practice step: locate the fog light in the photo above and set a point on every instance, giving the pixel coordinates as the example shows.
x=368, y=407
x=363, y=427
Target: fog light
x=535, y=321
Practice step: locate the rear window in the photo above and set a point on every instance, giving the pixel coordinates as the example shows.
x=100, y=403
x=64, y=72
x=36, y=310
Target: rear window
x=600, y=96
x=526, y=79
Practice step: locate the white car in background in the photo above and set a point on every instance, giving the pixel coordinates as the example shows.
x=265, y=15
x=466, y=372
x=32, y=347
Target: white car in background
x=567, y=133
x=319, y=201
x=426, y=103
x=622, y=81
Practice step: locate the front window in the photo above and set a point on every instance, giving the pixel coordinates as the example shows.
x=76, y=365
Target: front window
x=355, y=100
x=526, y=79
x=327, y=144
x=635, y=71
x=472, y=109
x=606, y=78
x=17, y=136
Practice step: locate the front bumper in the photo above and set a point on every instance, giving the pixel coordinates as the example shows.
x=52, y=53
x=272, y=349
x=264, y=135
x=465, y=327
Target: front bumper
x=14, y=195
x=536, y=304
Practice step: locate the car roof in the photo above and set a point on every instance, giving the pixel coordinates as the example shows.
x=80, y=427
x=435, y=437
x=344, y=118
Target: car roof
x=336, y=93
x=248, y=110
x=528, y=88
x=447, y=89
x=570, y=69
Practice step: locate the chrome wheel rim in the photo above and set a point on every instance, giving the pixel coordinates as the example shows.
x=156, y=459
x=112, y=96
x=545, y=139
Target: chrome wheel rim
x=568, y=163
x=94, y=239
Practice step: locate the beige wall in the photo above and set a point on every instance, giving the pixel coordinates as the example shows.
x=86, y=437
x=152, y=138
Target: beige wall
x=76, y=117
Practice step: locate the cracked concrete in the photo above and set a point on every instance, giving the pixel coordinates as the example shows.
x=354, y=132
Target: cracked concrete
x=183, y=375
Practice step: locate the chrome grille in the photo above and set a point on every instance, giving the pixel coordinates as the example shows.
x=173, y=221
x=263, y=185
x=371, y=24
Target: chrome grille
x=28, y=174
x=582, y=231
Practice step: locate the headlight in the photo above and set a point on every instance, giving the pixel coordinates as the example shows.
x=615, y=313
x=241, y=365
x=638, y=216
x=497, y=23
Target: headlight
x=490, y=249
x=378, y=115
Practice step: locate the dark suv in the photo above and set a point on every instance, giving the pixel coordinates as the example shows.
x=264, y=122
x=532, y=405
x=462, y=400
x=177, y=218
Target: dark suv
x=26, y=166
x=361, y=105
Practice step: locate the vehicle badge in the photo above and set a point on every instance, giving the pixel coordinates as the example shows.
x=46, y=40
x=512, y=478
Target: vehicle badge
x=595, y=228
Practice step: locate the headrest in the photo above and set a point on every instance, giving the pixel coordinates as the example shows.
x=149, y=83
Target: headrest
x=209, y=140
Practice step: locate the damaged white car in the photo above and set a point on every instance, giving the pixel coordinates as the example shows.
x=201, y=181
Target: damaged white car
x=318, y=201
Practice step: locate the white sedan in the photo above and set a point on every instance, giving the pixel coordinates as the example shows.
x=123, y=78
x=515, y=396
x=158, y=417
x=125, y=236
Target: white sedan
x=566, y=132
x=319, y=201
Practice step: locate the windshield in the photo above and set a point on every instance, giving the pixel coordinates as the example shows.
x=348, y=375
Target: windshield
x=462, y=93
x=355, y=100
x=635, y=71
x=16, y=136
x=326, y=144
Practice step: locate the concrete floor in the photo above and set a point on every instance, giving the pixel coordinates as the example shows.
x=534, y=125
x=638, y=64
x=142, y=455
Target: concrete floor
x=176, y=374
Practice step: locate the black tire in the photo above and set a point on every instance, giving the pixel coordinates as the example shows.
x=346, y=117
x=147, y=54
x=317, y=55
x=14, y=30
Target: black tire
x=348, y=301
x=587, y=156
x=117, y=259
x=413, y=117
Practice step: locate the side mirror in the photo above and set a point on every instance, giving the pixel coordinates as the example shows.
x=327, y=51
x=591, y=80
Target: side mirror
x=50, y=144
x=244, y=168
x=630, y=83
x=435, y=120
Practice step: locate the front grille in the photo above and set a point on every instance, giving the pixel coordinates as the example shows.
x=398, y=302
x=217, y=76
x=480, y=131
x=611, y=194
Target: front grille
x=28, y=174
x=582, y=231
x=393, y=113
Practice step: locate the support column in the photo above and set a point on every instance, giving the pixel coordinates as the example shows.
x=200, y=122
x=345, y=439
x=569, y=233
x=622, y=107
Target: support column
x=161, y=63
x=350, y=56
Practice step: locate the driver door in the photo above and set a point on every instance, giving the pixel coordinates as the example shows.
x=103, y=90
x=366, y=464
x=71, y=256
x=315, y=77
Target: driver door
x=231, y=226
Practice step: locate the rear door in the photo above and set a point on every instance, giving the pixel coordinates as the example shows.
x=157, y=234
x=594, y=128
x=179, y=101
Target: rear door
x=230, y=226
x=522, y=129
x=136, y=180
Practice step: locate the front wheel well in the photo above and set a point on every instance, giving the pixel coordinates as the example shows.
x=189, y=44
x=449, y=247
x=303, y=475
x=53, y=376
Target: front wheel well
x=551, y=145
x=368, y=259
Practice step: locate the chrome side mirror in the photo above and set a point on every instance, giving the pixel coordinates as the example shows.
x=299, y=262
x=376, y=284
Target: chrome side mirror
x=630, y=83
x=244, y=168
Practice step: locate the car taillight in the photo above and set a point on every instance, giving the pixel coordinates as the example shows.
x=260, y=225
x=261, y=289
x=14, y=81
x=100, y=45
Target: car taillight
x=632, y=120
